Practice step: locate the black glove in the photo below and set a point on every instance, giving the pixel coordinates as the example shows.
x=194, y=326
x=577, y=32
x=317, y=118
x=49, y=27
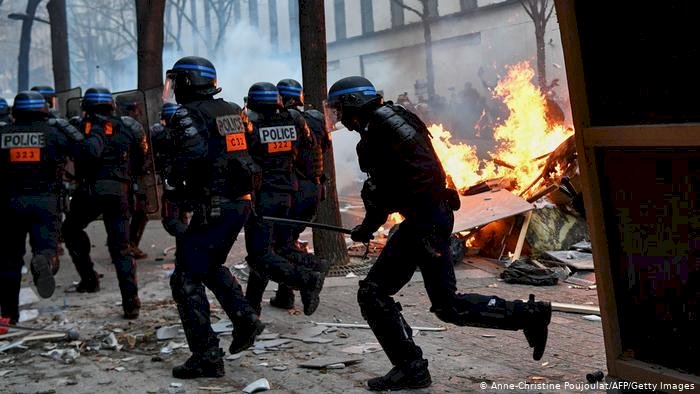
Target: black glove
x=361, y=233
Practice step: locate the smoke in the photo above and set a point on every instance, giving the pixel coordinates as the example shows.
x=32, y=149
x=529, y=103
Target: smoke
x=245, y=58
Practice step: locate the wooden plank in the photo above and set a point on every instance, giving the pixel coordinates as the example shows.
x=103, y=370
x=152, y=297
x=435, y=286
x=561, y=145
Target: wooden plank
x=324, y=361
x=638, y=371
x=572, y=258
x=645, y=135
x=574, y=308
x=484, y=208
x=41, y=337
x=521, y=237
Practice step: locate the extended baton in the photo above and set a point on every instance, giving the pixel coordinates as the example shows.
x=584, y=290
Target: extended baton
x=320, y=226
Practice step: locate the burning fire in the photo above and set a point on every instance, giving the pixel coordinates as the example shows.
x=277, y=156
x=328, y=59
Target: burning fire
x=524, y=139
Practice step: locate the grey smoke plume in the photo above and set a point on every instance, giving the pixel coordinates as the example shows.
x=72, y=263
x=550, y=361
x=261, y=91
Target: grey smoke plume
x=247, y=58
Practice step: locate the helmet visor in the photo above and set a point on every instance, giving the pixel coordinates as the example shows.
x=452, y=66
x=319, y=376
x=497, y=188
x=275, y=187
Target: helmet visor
x=169, y=88
x=333, y=113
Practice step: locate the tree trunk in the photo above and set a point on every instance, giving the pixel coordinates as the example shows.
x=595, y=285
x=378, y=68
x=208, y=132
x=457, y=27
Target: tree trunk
x=541, y=62
x=59, y=44
x=429, y=69
x=312, y=35
x=149, y=28
x=25, y=43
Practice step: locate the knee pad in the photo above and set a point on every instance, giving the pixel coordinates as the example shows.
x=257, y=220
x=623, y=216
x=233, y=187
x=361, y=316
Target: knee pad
x=183, y=286
x=374, y=302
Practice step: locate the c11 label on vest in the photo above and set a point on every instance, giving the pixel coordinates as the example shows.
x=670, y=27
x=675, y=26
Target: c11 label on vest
x=278, y=134
x=23, y=140
x=229, y=124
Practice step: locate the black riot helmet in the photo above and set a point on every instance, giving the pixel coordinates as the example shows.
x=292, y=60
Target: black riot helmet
x=167, y=112
x=97, y=100
x=350, y=98
x=292, y=92
x=4, y=107
x=49, y=94
x=263, y=97
x=30, y=105
x=190, y=78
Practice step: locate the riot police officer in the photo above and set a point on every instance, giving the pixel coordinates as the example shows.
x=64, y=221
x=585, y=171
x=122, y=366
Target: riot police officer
x=274, y=141
x=4, y=112
x=308, y=168
x=161, y=139
x=213, y=175
x=33, y=149
x=131, y=112
x=406, y=176
x=104, y=189
x=49, y=95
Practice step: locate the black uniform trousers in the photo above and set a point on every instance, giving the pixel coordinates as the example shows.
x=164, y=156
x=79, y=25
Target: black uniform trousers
x=422, y=240
x=261, y=237
x=304, y=205
x=86, y=206
x=199, y=261
x=39, y=216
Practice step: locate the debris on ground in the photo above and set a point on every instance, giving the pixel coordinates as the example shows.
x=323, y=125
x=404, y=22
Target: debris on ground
x=169, y=332
x=363, y=348
x=325, y=361
x=257, y=386
x=66, y=356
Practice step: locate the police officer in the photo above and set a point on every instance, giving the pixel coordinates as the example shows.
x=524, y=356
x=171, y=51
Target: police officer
x=274, y=141
x=308, y=168
x=4, y=112
x=131, y=113
x=33, y=149
x=213, y=175
x=161, y=139
x=406, y=176
x=104, y=189
x=49, y=95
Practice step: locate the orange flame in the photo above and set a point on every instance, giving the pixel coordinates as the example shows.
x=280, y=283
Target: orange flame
x=523, y=137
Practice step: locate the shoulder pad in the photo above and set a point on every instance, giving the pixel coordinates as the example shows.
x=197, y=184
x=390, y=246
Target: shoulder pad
x=314, y=114
x=132, y=124
x=387, y=118
x=68, y=129
x=294, y=113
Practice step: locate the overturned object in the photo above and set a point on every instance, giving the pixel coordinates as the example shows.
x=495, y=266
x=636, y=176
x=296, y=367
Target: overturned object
x=523, y=273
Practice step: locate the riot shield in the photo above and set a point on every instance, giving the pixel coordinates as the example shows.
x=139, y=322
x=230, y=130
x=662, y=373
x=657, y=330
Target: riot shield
x=73, y=107
x=133, y=103
x=62, y=98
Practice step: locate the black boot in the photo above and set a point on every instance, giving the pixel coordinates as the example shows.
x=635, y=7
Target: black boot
x=310, y=294
x=131, y=307
x=537, y=316
x=43, y=277
x=415, y=375
x=244, y=332
x=284, y=297
x=209, y=364
x=89, y=283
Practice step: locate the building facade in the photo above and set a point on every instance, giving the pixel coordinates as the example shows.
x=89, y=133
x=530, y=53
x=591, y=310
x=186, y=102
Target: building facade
x=473, y=40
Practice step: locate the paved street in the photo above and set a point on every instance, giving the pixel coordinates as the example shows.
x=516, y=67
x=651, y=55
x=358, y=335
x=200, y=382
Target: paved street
x=461, y=358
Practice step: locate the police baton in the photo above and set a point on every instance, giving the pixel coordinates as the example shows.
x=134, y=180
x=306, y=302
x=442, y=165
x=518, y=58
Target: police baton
x=320, y=226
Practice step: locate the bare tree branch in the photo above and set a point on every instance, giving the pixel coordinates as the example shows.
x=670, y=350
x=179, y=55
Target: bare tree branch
x=401, y=4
